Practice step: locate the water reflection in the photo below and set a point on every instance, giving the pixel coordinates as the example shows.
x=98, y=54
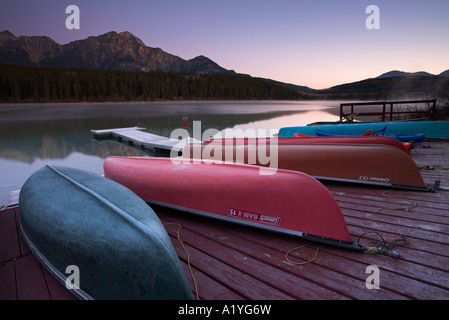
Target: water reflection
x=297, y=119
x=35, y=135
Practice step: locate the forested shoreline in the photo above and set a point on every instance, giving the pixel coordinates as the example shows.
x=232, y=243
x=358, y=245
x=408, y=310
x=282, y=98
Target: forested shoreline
x=45, y=84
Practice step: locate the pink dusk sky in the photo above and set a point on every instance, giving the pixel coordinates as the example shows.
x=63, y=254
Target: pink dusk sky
x=315, y=43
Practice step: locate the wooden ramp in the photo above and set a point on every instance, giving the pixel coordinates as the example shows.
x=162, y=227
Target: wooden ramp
x=136, y=137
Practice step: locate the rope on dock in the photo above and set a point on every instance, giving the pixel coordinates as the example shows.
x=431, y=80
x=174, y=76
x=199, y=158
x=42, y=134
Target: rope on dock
x=406, y=208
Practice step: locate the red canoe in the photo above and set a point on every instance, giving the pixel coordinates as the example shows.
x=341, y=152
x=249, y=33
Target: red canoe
x=283, y=201
x=388, y=141
x=367, y=164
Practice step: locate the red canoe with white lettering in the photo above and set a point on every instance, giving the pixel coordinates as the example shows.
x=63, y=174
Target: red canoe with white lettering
x=283, y=201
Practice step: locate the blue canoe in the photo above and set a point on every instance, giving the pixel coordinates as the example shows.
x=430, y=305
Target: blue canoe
x=74, y=220
x=417, y=138
x=430, y=129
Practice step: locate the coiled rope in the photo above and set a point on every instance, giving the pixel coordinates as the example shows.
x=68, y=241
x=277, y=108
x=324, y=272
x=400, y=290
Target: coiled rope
x=297, y=248
x=406, y=208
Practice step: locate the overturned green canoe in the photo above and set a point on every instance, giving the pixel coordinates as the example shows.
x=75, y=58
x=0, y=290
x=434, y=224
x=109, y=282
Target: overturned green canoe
x=74, y=220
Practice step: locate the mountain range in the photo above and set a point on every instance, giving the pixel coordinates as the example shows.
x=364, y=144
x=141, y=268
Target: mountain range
x=385, y=82
x=124, y=51
x=396, y=73
x=394, y=85
x=110, y=51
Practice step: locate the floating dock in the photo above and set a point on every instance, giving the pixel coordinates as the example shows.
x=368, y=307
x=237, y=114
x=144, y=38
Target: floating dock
x=235, y=262
x=136, y=137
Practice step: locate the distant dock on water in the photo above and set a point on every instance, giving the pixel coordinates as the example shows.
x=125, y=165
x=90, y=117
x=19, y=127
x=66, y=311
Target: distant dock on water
x=136, y=137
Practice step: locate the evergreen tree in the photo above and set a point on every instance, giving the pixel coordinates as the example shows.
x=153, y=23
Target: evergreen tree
x=35, y=84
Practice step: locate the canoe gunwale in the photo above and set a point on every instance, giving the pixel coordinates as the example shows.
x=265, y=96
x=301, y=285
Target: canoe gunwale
x=348, y=245
x=427, y=188
x=60, y=277
x=402, y=137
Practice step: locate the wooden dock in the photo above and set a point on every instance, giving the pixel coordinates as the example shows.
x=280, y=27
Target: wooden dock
x=233, y=262
x=136, y=137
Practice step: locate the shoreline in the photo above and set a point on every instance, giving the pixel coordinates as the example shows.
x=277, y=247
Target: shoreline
x=166, y=101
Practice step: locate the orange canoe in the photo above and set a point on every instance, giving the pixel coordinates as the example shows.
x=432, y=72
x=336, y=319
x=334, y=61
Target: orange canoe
x=299, y=138
x=388, y=141
x=367, y=164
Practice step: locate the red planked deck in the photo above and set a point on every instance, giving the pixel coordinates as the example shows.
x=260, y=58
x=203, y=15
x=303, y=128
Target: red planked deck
x=235, y=262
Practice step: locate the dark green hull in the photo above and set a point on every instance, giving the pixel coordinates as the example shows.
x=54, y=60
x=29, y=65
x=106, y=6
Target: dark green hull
x=70, y=217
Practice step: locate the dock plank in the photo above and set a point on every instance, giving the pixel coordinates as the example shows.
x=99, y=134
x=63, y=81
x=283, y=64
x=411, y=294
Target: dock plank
x=31, y=283
x=309, y=281
x=244, y=265
x=136, y=137
x=9, y=238
x=208, y=288
x=8, y=288
x=56, y=290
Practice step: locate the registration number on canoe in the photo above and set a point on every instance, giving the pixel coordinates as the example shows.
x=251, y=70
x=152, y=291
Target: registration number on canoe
x=374, y=179
x=256, y=217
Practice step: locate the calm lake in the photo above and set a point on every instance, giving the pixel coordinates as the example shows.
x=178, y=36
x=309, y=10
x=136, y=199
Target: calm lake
x=33, y=135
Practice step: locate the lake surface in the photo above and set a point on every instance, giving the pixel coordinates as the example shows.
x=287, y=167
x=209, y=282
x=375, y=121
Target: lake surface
x=33, y=135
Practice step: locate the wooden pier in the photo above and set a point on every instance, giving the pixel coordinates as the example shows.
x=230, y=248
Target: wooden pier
x=136, y=137
x=233, y=262
x=430, y=109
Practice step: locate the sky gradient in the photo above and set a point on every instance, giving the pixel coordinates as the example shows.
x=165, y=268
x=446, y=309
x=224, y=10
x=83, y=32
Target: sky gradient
x=316, y=43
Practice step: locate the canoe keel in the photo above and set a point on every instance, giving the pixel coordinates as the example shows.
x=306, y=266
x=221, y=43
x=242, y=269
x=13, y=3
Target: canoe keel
x=286, y=202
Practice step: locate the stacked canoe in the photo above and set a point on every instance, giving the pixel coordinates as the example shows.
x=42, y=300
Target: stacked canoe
x=416, y=138
x=379, y=161
x=430, y=129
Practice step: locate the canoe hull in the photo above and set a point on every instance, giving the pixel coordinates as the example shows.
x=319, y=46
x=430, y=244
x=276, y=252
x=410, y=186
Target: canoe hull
x=70, y=217
x=317, y=140
x=286, y=202
x=417, y=138
x=366, y=164
x=431, y=129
